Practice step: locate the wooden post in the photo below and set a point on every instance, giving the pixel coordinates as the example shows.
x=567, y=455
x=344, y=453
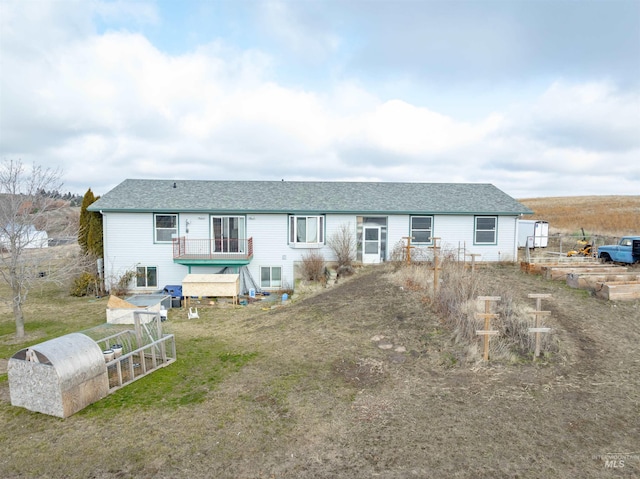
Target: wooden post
x=436, y=267
x=473, y=260
x=409, y=247
x=537, y=313
x=487, y=315
x=138, y=329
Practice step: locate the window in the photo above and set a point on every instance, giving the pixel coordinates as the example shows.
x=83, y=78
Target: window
x=165, y=227
x=486, y=227
x=306, y=229
x=146, y=277
x=271, y=277
x=421, y=228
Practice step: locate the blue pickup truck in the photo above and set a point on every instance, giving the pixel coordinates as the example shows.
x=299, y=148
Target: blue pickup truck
x=626, y=251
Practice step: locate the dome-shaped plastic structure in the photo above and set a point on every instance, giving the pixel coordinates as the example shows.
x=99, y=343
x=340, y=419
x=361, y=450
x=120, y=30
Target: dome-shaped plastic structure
x=58, y=377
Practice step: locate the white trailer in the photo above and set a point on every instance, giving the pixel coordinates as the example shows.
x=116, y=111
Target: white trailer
x=533, y=234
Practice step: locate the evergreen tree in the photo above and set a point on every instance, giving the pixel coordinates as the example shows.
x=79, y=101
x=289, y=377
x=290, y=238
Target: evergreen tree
x=94, y=235
x=83, y=229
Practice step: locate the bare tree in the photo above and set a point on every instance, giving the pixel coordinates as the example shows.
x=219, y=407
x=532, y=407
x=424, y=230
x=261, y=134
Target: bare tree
x=24, y=216
x=343, y=244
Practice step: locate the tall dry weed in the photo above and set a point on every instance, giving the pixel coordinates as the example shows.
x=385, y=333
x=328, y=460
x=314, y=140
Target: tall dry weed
x=456, y=302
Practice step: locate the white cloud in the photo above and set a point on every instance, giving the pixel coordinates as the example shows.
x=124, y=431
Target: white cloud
x=592, y=112
x=110, y=106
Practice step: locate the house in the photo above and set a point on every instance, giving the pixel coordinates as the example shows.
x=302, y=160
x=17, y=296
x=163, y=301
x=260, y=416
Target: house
x=23, y=235
x=166, y=229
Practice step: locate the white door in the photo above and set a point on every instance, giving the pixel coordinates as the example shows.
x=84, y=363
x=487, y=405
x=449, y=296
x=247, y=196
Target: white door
x=371, y=244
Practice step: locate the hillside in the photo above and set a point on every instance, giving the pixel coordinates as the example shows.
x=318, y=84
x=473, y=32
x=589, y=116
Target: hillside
x=601, y=215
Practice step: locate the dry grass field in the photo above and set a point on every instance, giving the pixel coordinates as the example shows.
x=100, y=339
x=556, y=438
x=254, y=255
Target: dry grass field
x=601, y=215
x=361, y=380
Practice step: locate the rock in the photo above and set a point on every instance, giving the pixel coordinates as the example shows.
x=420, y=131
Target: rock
x=398, y=358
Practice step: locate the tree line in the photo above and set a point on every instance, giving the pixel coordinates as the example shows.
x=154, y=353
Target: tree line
x=73, y=198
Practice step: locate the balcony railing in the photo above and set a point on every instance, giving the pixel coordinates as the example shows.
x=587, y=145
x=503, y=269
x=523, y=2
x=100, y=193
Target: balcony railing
x=212, y=249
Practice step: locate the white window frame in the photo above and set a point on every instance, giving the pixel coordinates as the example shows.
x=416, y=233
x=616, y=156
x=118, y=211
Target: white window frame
x=412, y=229
x=145, y=275
x=277, y=285
x=477, y=230
x=173, y=230
x=310, y=220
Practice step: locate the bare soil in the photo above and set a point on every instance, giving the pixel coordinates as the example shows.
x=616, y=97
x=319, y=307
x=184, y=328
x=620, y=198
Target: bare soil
x=323, y=399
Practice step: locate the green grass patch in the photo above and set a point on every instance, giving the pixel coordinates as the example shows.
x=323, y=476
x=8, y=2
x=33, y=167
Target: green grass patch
x=202, y=364
x=36, y=332
x=49, y=312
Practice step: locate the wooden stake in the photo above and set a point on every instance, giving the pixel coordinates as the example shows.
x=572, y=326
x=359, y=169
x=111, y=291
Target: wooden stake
x=487, y=315
x=436, y=267
x=473, y=260
x=409, y=247
x=537, y=313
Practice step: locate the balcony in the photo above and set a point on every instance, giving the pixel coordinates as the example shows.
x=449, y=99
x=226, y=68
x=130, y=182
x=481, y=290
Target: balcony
x=215, y=252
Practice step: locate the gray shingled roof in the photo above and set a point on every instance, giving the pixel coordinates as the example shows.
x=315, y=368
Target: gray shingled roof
x=306, y=197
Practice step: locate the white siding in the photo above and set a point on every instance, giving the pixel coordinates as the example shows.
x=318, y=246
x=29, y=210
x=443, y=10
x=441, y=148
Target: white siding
x=129, y=243
x=269, y=234
x=334, y=225
x=397, y=230
x=456, y=235
x=271, y=248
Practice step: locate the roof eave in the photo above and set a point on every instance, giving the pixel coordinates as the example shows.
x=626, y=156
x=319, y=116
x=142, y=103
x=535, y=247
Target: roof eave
x=308, y=212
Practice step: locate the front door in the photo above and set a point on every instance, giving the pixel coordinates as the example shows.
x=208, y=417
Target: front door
x=228, y=234
x=371, y=244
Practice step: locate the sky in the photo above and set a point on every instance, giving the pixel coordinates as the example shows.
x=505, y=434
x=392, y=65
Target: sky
x=540, y=98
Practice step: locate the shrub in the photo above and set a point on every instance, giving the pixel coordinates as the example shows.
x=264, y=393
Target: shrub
x=343, y=244
x=121, y=285
x=85, y=284
x=313, y=266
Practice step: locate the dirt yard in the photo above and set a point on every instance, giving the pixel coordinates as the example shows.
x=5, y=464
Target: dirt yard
x=362, y=380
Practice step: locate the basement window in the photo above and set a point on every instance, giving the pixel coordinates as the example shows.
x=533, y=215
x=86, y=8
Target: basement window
x=271, y=277
x=146, y=277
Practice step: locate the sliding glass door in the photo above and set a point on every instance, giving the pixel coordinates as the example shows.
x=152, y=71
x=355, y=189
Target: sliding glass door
x=228, y=234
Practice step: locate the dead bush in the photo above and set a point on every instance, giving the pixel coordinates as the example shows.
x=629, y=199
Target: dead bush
x=121, y=285
x=343, y=244
x=456, y=302
x=313, y=266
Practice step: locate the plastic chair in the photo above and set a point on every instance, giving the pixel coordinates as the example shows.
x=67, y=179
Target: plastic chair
x=193, y=313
